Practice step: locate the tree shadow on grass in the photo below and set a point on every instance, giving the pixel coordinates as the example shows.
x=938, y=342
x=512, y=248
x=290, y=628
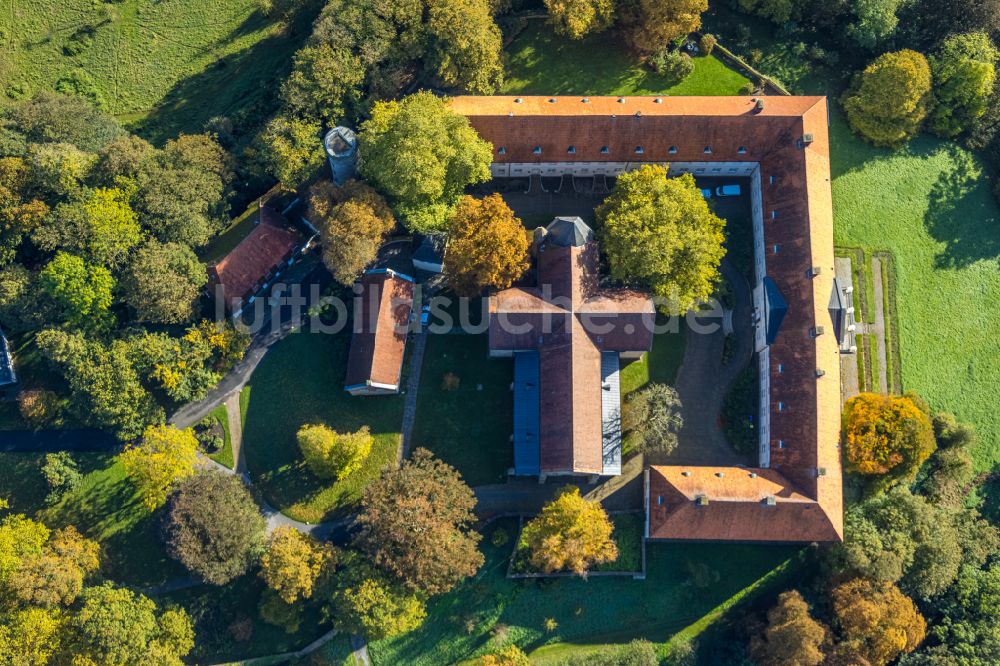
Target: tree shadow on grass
x=962, y=214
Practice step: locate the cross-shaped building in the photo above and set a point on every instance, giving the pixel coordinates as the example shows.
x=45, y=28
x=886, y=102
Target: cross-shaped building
x=566, y=337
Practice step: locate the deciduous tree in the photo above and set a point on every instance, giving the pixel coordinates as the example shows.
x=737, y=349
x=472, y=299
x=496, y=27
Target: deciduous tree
x=101, y=227
x=164, y=456
x=886, y=433
x=329, y=454
x=792, y=637
x=293, y=562
x=875, y=21
x=570, y=534
x=291, y=150
x=964, y=71
x=415, y=523
x=59, y=169
x=62, y=475
x=121, y=161
x=441, y=151
x=51, y=118
x=487, y=246
x=467, y=44
x=80, y=291
x=652, y=417
x=367, y=603
x=55, y=576
x=579, y=18
x=118, y=626
x=889, y=100
x=659, y=233
x=650, y=24
x=30, y=636
x=163, y=282
x=877, y=622
x=19, y=306
x=220, y=544
x=21, y=539
x=354, y=221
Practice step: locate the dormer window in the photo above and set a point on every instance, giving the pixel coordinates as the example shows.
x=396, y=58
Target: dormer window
x=708, y=150
x=604, y=150
x=537, y=150
x=571, y=150
x=501, y=151
x=672, y=150
x=639, y=150
x=742, y=150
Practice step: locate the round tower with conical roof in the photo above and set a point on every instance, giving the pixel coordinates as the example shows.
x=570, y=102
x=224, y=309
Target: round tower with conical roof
x=341, y=147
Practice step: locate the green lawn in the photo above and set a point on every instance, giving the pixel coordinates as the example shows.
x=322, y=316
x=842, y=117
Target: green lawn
x=543, y=63
x=106, y=508
x=686, y=584
x=223, y=456
x=165, y=66
x=660, y=365
x=930, y=205
x=21, y=481
x=301, y=381
x=468, y=427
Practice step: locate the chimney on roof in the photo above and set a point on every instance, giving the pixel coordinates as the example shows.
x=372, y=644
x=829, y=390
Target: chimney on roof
x=820, y=372
x=759, y=105
x=720, y=474
x=807, y=138
x=815, y=270
x=753, y=475
x=701, y=500
x=817, y=331
x=685, y=473
x=821, y=471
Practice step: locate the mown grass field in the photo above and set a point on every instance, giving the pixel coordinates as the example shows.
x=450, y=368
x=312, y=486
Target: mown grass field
x=300, y=381
x=469, y=425
x=685, y=583
x=931, y=206
x=163, y=66
x=543, y=63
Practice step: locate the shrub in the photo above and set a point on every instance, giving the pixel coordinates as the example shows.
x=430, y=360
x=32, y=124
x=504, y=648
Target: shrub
x=706, y=44
x=500, y=537
x=41, y=408
x=329, y=454
x=747, y=89
x=550, y=624
x=674, y=65
x=61, y=474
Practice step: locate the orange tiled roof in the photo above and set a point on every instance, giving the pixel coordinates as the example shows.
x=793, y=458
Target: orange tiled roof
x=795, y=183
x=262, y=251
x=379, y=340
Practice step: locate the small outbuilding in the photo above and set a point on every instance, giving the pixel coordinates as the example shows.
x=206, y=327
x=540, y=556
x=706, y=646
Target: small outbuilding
x=251, y=266
x=382, y=310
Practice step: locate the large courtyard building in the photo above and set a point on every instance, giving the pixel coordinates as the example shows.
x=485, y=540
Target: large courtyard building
x=781, y=145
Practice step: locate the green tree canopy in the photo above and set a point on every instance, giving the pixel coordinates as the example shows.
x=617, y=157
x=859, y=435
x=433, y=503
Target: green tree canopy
x=118, y=626
x=875, y=21
x=52, y=118
x=652, y=418
x=163, y=283
x=416, y=524
x=291, y=150
x=467, y=44
x=487, y=246
x=570, y=534
x=365, y=602
x=441, y=151
x=651, y=24
x=579, y=18
x=659, y=233
x=122, y=160
x=354, y=221
x=101, y=227
x=220, y=544
x=889, y=100
x=964, y=71
x=81, y=291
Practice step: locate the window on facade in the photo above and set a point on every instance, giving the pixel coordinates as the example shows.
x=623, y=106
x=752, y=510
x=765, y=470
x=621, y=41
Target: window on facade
x=781, y=443
x=781, y=406
x=708, y=150
x=537, y=150
x=742, y=150
x=776, y=249
x=571, y=150
x=604, y=150
x=774, y=214
x=502, y=150
x=772, y=179
x=672, y=150
x=638, y=150
x=781, y=368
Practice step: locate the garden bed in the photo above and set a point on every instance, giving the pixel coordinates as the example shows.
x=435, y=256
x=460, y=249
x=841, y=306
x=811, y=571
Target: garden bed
x=628, y=536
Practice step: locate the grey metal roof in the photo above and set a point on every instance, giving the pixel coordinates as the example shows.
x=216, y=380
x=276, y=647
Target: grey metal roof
x=775, y=309
x=611, y=417
x=526, y=412
x=569, y=232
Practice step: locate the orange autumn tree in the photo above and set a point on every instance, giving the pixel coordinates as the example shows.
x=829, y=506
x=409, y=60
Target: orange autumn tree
x=883, y=433
x=877, y=622
x=570, y=534
x=487, y=246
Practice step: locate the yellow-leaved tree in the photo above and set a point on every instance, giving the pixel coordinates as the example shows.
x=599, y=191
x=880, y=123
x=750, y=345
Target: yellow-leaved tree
x=487, y=246
x=884, y=433
x=293, y=562
x=330, y=454
x=877, y=621
x=889, y=100
x=162, y=457
x=570, y=534
x=578, y=18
